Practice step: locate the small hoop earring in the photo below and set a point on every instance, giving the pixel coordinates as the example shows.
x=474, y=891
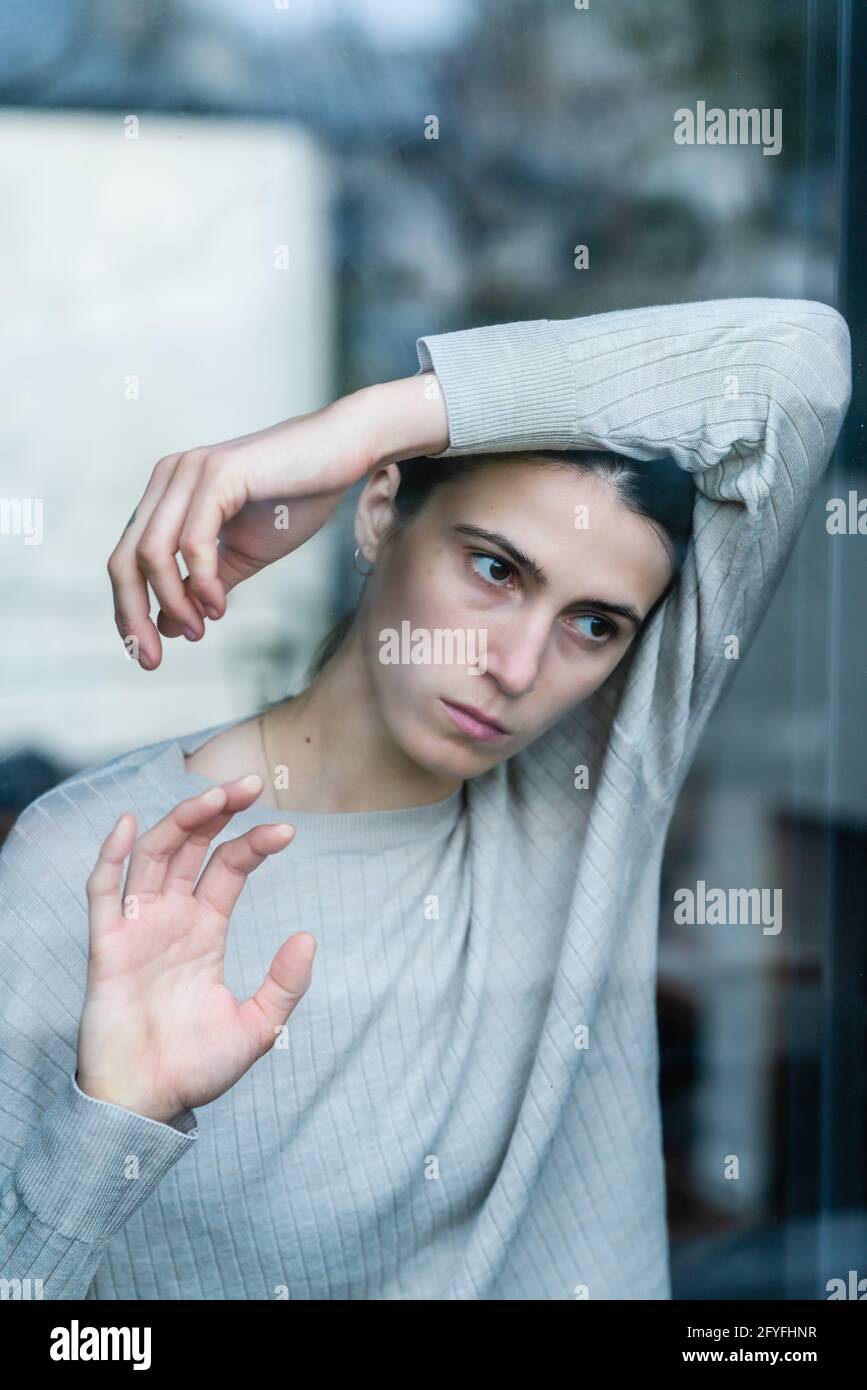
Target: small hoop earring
x=355, y=562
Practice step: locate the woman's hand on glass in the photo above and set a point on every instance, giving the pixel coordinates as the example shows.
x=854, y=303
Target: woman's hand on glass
x=160, y=1030
x=232, y=508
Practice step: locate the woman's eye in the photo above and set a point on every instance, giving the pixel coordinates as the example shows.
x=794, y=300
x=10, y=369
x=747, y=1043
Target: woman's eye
x=497, y=574
x=598, y=629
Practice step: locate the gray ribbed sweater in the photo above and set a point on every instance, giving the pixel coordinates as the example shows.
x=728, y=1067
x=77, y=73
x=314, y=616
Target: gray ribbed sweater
x=434, y=1128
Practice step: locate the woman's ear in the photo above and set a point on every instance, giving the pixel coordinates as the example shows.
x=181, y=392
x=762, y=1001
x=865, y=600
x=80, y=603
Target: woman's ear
x=375, y=512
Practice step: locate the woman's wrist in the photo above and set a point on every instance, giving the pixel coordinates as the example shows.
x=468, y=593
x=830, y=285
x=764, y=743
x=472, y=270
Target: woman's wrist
x=404, y=418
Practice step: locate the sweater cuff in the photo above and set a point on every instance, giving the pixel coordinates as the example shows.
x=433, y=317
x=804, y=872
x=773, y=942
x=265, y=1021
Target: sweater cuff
x=89, y=1164
x=506, y=387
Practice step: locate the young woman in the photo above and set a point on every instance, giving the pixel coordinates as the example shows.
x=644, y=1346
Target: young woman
x=465, y=1105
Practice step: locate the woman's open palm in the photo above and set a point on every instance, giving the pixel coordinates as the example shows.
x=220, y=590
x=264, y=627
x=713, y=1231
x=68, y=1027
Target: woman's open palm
x=160, y=1031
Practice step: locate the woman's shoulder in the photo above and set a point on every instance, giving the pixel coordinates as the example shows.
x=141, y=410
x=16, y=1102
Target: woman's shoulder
x=64, y=826
x=234, y=752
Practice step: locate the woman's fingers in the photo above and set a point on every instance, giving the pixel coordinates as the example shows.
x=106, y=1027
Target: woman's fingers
x=220, y=495
x=232, y=569
x=226, y=871
x=191, y=518
x=152, y=851
x=103, y=884
x=188, y=499
x=183, y=867
x=167, y=626
x=129, y=588
x=159, y=542
x=284, y=986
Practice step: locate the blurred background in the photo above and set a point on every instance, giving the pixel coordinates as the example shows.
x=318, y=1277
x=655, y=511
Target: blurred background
x=219, y=213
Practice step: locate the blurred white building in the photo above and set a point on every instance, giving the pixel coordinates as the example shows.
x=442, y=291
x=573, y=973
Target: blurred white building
x=165, y=283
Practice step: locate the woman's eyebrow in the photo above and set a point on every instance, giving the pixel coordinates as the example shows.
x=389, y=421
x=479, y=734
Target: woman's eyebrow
x=517, y=555
x=624, y=610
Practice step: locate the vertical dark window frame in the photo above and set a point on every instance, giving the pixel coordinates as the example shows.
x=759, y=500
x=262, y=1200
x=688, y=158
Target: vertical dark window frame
x=843, y=1167
x=823, y=1201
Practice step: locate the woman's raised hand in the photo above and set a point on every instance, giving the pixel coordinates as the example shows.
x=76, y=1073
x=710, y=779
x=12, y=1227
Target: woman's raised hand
x=160, y=1031
x=230, y=509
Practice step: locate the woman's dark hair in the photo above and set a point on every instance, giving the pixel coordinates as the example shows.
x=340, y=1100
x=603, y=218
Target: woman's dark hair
x=660, y=491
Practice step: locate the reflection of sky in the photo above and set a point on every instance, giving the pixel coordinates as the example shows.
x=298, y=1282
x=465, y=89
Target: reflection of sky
x=394, y=23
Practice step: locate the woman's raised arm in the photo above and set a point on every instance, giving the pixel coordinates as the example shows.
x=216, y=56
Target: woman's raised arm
x=746, y=394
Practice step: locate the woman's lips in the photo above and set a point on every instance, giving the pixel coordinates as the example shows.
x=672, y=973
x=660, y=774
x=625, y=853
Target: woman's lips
x=472, y=723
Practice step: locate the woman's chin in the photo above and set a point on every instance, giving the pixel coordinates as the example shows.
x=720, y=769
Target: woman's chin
x=456, y=759
x=440, y=748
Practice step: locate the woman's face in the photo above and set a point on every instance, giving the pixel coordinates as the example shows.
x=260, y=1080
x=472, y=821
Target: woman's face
x=538, y=577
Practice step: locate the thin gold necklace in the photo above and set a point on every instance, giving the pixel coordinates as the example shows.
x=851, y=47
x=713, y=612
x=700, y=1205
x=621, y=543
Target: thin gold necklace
x=268, y=751
x=262, y=718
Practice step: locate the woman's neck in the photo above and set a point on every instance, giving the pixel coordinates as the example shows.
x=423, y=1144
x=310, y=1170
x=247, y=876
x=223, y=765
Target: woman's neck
x=334, y=752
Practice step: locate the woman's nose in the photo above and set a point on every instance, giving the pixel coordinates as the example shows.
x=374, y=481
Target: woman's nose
x=515, y=655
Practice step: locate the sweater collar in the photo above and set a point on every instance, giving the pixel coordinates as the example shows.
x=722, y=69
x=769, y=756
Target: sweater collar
x=331, y=831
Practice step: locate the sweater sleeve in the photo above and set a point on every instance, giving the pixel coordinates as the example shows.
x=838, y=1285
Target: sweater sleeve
x=72, y=1169
x=748, y=395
